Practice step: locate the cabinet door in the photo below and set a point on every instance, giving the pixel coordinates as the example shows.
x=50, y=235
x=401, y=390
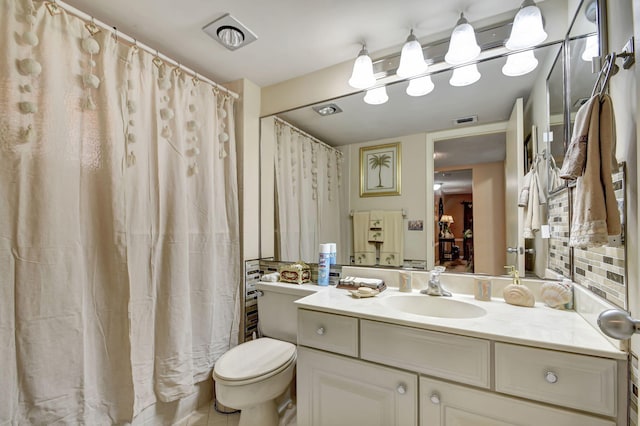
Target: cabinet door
x=453, y=405
x=334, y=390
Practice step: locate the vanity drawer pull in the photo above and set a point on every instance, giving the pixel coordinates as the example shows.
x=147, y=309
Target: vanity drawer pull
x=435, y=398
x=320, y=331
x=551, y=377
x=402, y=388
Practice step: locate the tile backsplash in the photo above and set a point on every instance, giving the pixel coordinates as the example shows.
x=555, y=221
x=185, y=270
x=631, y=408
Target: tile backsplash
x=559, y=252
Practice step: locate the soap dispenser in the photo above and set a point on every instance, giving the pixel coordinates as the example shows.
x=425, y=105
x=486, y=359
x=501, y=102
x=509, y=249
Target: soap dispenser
x=517, y=293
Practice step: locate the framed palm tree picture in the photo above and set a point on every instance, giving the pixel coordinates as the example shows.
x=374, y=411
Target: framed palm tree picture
x=380, y=170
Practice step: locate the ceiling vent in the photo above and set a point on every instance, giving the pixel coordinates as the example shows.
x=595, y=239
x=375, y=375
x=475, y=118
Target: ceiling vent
x=327, y=109
x=229, y=32
x=465, y=120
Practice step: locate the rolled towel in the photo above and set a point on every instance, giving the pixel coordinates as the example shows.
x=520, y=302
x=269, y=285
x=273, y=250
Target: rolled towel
x=272, y=277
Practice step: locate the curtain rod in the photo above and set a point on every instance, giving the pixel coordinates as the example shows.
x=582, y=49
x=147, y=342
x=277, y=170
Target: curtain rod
x=326, y=145
x=120, y=35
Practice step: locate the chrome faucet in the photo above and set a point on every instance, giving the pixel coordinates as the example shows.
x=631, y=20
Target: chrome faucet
x=434, y=288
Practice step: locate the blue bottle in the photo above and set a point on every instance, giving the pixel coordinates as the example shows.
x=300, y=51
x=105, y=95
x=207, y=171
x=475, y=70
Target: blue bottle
x=324, y=264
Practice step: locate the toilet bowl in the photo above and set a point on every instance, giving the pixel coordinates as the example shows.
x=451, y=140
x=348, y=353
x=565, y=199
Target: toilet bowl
x=250, y=376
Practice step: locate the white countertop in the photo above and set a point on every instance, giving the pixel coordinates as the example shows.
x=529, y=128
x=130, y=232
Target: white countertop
x=540, y=326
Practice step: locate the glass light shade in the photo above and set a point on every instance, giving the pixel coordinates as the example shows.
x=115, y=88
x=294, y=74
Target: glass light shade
x=463, y=46
x=420, y=86
x=527, y=30
x=591, y=48
x=465, y=76
x=411, y=59
x=437, y=186
x=376, y=96
x=520, y=63
x=362, y=75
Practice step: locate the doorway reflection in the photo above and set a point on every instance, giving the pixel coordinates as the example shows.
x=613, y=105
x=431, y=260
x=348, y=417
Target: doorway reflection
x=453, y=203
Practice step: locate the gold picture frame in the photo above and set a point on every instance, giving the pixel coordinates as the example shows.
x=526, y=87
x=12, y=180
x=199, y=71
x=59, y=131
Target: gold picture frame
x=380, y=170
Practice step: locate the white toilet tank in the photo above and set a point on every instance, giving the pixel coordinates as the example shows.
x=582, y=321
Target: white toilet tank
x=277, y=312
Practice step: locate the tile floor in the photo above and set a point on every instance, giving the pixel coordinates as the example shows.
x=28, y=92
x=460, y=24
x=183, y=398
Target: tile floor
x=208, y=416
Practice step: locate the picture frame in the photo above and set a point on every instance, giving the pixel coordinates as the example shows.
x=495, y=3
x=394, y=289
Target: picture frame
x=380, y=170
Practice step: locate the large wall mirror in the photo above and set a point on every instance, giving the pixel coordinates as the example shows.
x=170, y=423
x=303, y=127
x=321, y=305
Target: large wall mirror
x=464, y=152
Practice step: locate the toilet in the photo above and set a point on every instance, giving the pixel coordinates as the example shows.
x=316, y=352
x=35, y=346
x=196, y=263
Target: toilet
x=250, y=376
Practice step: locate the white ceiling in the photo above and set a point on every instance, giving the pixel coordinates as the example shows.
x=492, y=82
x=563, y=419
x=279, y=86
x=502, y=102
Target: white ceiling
x=295, y=37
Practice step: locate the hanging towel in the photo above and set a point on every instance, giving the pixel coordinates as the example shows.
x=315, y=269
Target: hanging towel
x=532, y=208
x=595, y=212
x=576, y=155
x=364, y=253
x=523, y=200
x=376, y=236
x=375, y=219
x=392, y=249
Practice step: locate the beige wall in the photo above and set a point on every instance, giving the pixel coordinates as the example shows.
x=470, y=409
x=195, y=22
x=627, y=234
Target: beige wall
x=413, y=190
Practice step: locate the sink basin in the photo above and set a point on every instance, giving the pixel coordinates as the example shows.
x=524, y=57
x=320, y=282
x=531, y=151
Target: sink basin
x=429, y=306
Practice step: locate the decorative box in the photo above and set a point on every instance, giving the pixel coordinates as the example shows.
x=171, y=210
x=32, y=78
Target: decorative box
x=296, y=273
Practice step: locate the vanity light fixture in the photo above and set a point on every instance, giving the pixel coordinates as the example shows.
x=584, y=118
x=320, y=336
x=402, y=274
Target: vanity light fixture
x=362, y=75
x=527, y=30
x=229, y=32
x=411, y=58
x=463, y=46
x=376, y=96
x=465, y=75
x=520, y=63
x=420, y=86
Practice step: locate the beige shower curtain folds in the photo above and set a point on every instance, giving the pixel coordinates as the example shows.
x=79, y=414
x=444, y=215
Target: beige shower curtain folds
x=119, y=245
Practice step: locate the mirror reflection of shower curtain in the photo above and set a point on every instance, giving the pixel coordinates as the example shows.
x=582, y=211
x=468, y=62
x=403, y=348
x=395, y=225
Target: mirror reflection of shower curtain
x=307, y=194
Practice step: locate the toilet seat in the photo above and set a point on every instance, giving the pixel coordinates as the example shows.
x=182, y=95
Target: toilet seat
x=254, y=361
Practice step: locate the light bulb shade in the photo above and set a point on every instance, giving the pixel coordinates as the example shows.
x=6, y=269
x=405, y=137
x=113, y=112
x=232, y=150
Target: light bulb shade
x=362, y=75
x=463, y=46
x=527, y=30
x=520, y=63
x=591, y=48
x=376, y=96
x=420, y=86
x=465, y=76
x=411, y=59
x=437, y=186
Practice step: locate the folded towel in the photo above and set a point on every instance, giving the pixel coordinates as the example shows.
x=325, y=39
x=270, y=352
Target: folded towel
x=375, y=219
x=364, y=252
x=376, y=236
x=352, y=283
x=392, y=248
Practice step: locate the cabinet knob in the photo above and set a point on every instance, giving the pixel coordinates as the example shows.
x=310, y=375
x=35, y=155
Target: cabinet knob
x=551, y=377
x=320, y=331
x=435, y=398
x=402, y=388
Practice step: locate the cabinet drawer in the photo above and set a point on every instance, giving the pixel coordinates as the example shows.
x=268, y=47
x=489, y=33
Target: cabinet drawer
x=569, y=380
x=458, y=358
x=444, y=403
x=334, y=333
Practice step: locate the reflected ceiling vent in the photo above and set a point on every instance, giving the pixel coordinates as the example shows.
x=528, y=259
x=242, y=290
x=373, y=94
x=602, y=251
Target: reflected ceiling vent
x=465, y=120
x=327, y=109
x=229, y=32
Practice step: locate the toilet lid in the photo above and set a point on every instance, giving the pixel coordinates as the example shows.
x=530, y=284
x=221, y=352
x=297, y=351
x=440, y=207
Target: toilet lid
x=253, y=359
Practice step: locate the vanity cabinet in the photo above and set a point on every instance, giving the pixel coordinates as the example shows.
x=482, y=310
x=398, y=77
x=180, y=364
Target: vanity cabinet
x=354, y=371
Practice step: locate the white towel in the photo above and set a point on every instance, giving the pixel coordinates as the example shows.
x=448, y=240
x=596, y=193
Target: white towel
x=364, y=253
x=392, y=249
x=532, y=208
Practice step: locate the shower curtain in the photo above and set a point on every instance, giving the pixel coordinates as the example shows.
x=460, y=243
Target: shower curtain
x=119, y=245
x=308, y=189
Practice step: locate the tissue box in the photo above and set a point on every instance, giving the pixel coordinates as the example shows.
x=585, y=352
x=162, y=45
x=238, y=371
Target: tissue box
x=296, y=273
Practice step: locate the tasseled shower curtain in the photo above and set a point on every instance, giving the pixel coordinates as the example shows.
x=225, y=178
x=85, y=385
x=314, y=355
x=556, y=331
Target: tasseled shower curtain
x=119, y=245
x=308, y=185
